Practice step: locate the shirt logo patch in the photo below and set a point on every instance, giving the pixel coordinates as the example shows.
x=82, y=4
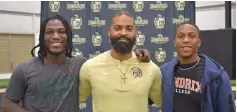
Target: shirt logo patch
x=137, y=72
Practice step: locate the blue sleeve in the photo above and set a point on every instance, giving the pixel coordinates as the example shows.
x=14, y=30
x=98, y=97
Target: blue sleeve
x=162, y=67
x=225, y=98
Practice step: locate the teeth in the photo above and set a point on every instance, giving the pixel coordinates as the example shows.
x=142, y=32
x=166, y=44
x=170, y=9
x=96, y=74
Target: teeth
x=56, y=44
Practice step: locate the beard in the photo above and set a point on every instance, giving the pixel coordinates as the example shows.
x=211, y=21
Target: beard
x=122, y=47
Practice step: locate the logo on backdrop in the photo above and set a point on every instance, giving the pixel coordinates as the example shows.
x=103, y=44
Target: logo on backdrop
x=96, y=22
x=138, y=6
x=117, y=6
x=96, y=6
x=137, y=72
x=159, y=6
x=140, y=22
x=140, y=38
x=159, y=21
x=160, y=39
x=54, y=6
x=160, y=55
x=180, y=20
x=75, y=6
x=77, y=52
x=76, y=22
x=180, y=5
x=96, y=39
x=94, y=55
x=77, y=40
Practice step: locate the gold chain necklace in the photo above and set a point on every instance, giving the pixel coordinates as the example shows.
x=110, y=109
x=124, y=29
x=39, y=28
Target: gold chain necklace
x=123, y=77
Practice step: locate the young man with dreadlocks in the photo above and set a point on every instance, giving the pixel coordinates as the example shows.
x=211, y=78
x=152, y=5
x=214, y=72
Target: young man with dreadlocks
x=49, y=82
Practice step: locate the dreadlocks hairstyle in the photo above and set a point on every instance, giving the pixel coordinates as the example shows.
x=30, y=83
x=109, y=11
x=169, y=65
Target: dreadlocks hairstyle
x=42, y=52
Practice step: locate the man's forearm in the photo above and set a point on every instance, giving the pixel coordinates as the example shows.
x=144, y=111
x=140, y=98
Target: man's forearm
x=10, y=106
x=13, y=108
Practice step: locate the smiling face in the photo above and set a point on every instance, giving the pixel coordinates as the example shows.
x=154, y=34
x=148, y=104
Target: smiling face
x=55, y=37
x=187, y=41
x=122, y=33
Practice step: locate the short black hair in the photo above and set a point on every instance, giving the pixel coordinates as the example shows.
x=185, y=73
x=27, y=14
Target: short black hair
x=122, y=13
x=190, y=23
x=42, y=52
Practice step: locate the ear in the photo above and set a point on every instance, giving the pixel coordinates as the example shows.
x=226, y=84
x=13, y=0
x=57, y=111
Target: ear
x=199, y=43
x=174, y=43
x=109, y=32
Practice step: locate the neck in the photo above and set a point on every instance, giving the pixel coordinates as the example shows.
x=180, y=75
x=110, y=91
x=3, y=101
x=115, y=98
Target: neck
x=54, y=59
x=188, y=60
x=120, y=56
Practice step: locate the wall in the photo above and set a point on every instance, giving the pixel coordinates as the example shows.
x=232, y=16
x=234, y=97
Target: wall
x=211, y=14
x=23, y=17
x=19, y=17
